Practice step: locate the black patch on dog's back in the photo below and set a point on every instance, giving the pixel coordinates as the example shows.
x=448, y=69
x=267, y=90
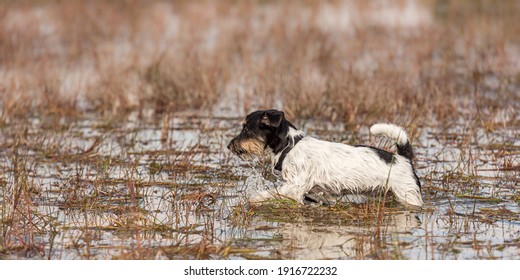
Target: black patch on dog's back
x=382, y=154
x=405, y=150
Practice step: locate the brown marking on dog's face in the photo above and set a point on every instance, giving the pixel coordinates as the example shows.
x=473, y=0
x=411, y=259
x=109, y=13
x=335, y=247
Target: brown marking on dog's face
x=252, y=146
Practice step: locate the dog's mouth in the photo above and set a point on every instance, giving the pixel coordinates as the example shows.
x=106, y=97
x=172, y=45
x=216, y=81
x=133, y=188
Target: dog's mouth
x=241, y=153
x=249, y=147
x=236, y=149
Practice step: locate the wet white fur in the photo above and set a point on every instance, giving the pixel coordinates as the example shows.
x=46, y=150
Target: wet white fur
x=391, y=131
x=339, y=167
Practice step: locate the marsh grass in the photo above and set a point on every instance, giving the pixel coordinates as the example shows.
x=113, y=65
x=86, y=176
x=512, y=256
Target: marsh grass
x=98, y=189
x=113, y=140
x=330, y=60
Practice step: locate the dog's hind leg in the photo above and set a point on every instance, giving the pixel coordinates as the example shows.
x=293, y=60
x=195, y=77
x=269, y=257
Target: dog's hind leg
x=408, y=194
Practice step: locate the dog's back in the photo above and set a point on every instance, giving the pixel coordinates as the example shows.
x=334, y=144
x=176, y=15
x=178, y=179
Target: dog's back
x=357, y=169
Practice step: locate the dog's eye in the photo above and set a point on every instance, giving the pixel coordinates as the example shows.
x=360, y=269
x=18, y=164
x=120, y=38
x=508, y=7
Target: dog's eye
x=263, y=126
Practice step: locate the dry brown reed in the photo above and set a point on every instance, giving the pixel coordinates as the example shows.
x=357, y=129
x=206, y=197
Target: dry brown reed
x=354, y=62
x=342, y=60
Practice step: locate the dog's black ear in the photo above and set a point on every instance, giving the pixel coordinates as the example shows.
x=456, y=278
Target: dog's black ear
x=272, y=118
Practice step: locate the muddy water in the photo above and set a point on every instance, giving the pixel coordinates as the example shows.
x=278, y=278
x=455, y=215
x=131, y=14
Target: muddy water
x=168, y=188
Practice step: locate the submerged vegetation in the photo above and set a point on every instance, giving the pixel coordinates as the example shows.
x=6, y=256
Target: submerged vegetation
x=115, y=116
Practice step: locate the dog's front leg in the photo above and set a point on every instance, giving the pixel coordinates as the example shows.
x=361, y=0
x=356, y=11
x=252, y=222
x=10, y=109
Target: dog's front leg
x=292, y=191
x=263, y=196
x=287, y=190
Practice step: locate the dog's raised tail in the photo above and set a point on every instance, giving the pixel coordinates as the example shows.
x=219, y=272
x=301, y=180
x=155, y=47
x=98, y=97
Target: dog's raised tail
x=392, y=131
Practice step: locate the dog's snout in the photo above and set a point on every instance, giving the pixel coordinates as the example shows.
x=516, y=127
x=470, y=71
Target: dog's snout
x=232, y=146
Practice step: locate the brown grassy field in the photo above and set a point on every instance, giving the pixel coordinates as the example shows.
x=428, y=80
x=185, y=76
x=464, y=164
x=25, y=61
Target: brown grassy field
x=115, y=115
x=348, y=61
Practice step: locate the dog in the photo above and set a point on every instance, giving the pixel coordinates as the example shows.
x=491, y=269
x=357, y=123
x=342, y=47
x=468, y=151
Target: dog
x=306, y=162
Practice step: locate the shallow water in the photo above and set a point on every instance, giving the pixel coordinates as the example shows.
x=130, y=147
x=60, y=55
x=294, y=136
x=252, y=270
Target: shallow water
x=168, y=188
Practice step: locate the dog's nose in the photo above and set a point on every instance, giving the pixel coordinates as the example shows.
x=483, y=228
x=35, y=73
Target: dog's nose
x=229, y=146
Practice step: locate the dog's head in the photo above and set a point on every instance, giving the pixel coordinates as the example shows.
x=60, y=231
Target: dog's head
x=260, y=130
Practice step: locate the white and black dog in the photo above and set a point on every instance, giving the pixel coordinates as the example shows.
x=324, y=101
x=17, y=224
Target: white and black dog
x=306, y=162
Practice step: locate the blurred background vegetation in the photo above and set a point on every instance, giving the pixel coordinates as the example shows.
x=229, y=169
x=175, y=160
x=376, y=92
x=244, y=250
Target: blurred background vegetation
x=348, y=61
